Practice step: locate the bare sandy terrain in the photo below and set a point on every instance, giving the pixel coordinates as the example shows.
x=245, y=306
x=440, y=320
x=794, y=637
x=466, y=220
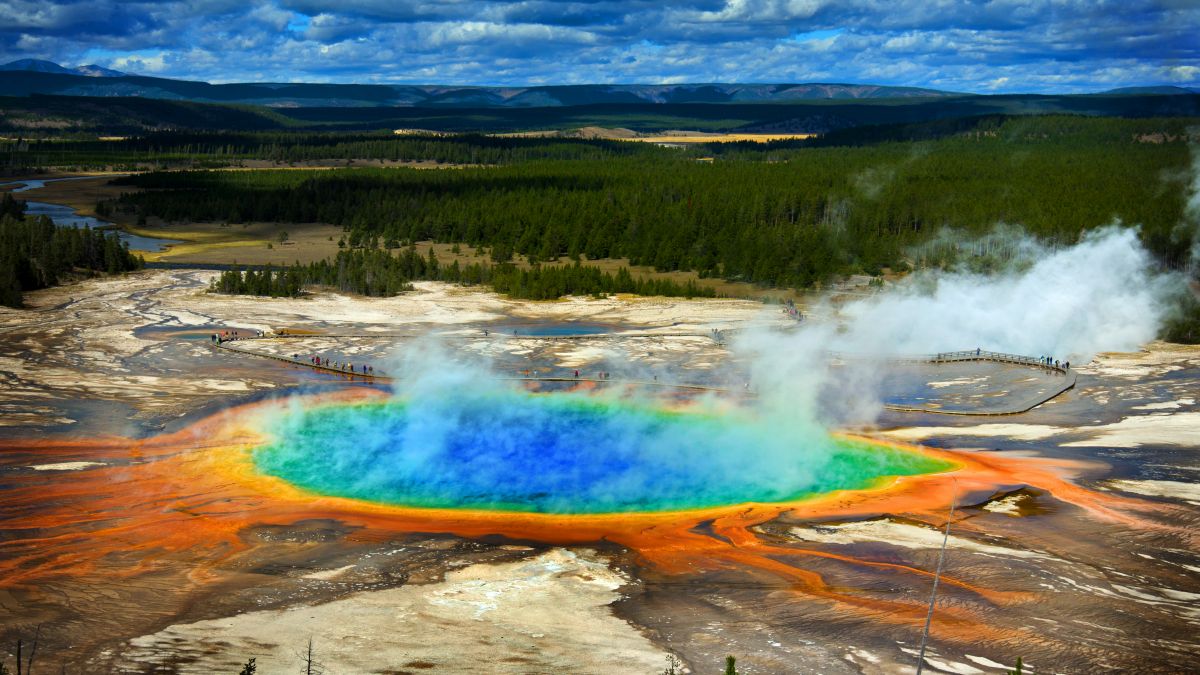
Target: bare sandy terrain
x=243, y=243
x=675, y=136
x=689, y=137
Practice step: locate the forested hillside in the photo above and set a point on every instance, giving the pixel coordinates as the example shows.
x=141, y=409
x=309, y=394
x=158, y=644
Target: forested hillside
x=782, y=215
x=36, y=254
x=54, y=116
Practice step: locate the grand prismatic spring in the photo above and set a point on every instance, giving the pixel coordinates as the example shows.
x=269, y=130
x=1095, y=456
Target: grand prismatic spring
x=472, y=513
x=599, y=337
x=564, y=454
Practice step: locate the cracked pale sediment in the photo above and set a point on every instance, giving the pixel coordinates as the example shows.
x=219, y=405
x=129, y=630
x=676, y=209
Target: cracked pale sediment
x=1188, y=492
x=547, y=613
x=1179, y=428
x=907, y=535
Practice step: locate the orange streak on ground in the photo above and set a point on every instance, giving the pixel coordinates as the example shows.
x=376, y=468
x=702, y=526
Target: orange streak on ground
x=189, y=496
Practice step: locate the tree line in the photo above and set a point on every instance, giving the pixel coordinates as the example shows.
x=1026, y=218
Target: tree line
x=197, y=148
x=35, y=253
x=790, y=216
x=374, y=273
x=217, y=149
x=549, y=282
x=379, y=273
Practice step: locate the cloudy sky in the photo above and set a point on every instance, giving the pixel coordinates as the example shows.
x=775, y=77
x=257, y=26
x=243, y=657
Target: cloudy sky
x=982, y=46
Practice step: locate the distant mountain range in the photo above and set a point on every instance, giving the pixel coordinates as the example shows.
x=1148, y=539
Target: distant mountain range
x=42, y=97
x=29, y=77
x=37, y=66
x=1166, y=89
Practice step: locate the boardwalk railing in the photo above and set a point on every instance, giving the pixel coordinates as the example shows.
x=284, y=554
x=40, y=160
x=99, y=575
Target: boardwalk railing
x=942, y=357
x=953, y=357
x=373, y=377
x=379, y=377
x=495, y=334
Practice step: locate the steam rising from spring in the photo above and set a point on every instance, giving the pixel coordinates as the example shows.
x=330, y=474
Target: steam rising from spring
x=454, y=437
x=1103, y=294
x=457, y=436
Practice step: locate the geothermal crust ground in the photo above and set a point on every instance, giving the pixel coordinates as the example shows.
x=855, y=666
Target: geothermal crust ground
x=159, y=506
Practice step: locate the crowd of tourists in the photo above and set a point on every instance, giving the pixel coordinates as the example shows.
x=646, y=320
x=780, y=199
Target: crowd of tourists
x=313, y=360
x=231, y=335
x=602, y=375
x=345, y=366
x=1051, y=362
x=1045, y=361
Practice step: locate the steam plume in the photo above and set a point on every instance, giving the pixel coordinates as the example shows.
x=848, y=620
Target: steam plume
x=1103, y=294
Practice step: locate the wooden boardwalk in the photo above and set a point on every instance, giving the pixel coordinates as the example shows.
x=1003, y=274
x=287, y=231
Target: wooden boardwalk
x=495, y=334
x=1068, y=375
x=228, y=345
x=1067, y=383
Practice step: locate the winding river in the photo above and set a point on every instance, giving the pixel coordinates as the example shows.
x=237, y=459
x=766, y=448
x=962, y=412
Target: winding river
x=65, y=216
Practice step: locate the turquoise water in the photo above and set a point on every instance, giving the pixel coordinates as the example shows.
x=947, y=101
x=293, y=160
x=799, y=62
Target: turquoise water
x=563, y=454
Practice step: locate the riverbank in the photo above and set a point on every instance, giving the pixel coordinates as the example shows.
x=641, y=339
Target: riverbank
x=80, y=191
x=279, y=244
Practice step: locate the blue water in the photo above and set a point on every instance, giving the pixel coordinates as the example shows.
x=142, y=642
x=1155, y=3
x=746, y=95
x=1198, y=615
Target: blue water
x=551, y=329
x=173, y=332
x=562, y=454
x=27, y=185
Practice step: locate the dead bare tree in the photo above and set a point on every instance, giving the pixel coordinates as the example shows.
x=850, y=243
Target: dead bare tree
x=24, y=663
x=37, y=634
x=308, y=656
